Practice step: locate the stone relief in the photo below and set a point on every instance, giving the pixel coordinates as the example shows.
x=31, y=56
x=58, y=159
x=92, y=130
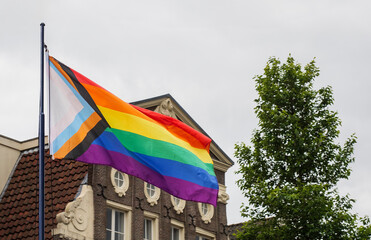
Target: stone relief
x=166, y=108
x=223, y=196
x=77, y=221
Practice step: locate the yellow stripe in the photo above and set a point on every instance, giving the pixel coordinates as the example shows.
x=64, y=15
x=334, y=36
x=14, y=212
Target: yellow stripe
x=137, y=125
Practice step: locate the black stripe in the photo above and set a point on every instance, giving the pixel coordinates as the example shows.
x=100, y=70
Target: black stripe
x=93, y=134
x=83, y=92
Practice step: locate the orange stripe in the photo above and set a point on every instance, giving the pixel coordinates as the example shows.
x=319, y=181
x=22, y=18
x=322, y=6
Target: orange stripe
x=78, y=136
x=56, y=64
x=106, y=99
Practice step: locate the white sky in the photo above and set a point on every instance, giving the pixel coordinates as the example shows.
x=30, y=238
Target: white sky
x=205, y=53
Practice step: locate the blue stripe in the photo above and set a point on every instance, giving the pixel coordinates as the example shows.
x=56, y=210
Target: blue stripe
x=79, y=119
x=163, y=166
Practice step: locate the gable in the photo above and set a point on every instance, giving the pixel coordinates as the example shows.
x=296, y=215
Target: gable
x=167, y=105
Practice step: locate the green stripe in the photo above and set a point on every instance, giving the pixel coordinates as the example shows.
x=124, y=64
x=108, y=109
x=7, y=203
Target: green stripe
x=160, y=149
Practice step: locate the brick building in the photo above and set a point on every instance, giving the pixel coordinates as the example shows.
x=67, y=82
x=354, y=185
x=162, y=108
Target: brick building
x=97, y=202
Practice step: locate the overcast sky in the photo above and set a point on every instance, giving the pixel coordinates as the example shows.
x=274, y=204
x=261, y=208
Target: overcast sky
x=205, y=53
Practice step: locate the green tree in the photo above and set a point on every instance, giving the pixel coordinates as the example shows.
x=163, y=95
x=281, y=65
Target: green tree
x=290, y=173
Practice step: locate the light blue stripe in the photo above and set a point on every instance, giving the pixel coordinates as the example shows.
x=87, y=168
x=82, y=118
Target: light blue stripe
x=69, y=131
x=79, y=119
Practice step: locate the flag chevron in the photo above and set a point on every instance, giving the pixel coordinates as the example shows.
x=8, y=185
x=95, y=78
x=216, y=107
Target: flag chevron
x=90, y=124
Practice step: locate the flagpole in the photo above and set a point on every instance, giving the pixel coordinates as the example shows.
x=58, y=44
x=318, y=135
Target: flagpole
x=41, y=141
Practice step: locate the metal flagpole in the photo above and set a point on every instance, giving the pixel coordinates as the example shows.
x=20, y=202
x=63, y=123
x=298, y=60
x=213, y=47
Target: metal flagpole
x=41, y=142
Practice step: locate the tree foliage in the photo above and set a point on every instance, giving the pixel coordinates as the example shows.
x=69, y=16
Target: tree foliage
x=289, y=175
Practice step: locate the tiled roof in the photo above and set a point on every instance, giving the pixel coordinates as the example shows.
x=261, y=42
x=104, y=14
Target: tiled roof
x=233, y=229
x=19, y=205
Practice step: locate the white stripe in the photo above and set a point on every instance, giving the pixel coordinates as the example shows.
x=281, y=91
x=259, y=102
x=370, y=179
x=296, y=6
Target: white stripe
x=64, y=106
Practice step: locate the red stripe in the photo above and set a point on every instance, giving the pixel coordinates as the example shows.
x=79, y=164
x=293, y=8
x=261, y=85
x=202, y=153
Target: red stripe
x=176, y=127
x=83, y=79
x=179, y=129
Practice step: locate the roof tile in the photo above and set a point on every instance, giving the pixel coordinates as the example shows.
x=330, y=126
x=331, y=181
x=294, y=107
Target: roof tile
x=19, y=204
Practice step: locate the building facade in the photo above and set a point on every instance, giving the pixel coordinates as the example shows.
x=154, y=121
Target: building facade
x=98, y=202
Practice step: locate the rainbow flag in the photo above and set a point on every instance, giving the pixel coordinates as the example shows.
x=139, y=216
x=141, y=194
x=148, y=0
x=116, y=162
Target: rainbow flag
x=91, y=125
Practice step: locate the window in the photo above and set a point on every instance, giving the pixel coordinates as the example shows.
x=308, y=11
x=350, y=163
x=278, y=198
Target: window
x=175, y=233
x=151, y=227
x=202, y=238
x=177, y=230
x=120, y=182
x=150, y=190
x=115, y=228
x=152, y=193
x=206, y=211
x=204, y=208
x=118, y=221
x=119, y=179
x=176, y=201
x=204, y=235
x=148, y=225
x=178, y=204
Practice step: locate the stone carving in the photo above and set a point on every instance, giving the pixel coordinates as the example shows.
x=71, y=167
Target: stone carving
x=193, y=220
x=223, y=196
x=167, y=212
x=166, y=108
x=77, y=221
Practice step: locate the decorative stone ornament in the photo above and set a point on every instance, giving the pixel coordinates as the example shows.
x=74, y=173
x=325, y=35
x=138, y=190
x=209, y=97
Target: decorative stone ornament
x=206, y=211
x=223, y=196
x=77, y=221
x=152, y=193
x=178, y=204
x=120, y=182
x=166, y=108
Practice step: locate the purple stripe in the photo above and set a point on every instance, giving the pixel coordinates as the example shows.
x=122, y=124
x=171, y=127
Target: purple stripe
x=175, y=186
